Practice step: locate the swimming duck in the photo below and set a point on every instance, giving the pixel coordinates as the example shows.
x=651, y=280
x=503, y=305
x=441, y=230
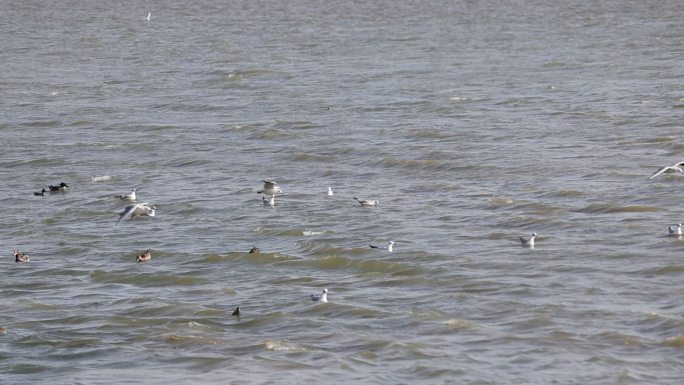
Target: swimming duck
x=62, y=187
x=255, y=250
x=20, y=257
x=144, y=257
x=236, y=312
x=40, y=193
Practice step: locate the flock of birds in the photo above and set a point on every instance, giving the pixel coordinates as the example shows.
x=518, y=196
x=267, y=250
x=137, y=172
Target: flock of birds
x=271, y=189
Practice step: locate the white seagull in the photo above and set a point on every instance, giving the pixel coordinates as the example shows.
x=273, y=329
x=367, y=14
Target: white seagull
x=323, y=297
x=677, y=167
x=529, y=242
x=137, y=210
x=149, y=16
x=367, y=202
x=270, y=188
x=675, y=230
x=389, y=248
x=330, y=191
x=128, y=197
x=268, y=202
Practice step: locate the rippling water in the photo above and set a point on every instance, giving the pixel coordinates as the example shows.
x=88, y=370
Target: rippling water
x=472, y=122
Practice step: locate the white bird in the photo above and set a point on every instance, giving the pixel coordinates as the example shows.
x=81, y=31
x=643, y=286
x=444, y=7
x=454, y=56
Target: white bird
x=389, y=248
x=323, y=297
x=676, y=229
x=677, y=167
x=529, y=242
x=149, y=16
x=137, y=210
x=270, y=188
x=268, y=202
x=330, y=191
x=128, y=197
x=366, y=202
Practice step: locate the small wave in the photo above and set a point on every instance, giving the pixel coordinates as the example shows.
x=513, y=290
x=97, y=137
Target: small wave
x=423, y=164
x=367, y=266
x=461, y=324
x=272, y=134
x=609, y=208
x=177, y=340
x=145, y=279
x=282, y=346
x=309, y=233
x=102, y=178
x=465, y=99
x=501, y=201
x=255, y=259
x=296, y=124
x=427, y=134
x=563, y=194
x=301, y=157
x=300, y=232
x=675, y=342
x=42, y=123
x=187, y=162
x=665, y=270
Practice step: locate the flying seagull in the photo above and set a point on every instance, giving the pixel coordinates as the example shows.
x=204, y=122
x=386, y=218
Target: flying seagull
x=270, y=188
x=137, y=210
x=677, y=167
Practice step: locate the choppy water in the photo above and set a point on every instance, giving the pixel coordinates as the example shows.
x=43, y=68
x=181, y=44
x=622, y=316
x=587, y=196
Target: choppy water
x=472, y=122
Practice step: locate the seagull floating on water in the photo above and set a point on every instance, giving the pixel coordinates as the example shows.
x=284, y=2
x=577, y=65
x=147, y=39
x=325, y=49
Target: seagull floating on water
x=128, y=197
x=149, y=16
x=40, y=193
x=367, y=202
x=389, y=248
x=270, y=188
x=62, y=187
x=529, y=242
x=137, y=210
x=675, y=229
x=330, y=191
x=268, y=202
x=323, y=297
x=20, y=257
x=677, y=167
x=144, y=257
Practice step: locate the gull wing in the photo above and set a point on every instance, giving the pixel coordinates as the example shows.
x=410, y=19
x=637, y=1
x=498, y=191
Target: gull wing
x=127, y=212
x=660, y=171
